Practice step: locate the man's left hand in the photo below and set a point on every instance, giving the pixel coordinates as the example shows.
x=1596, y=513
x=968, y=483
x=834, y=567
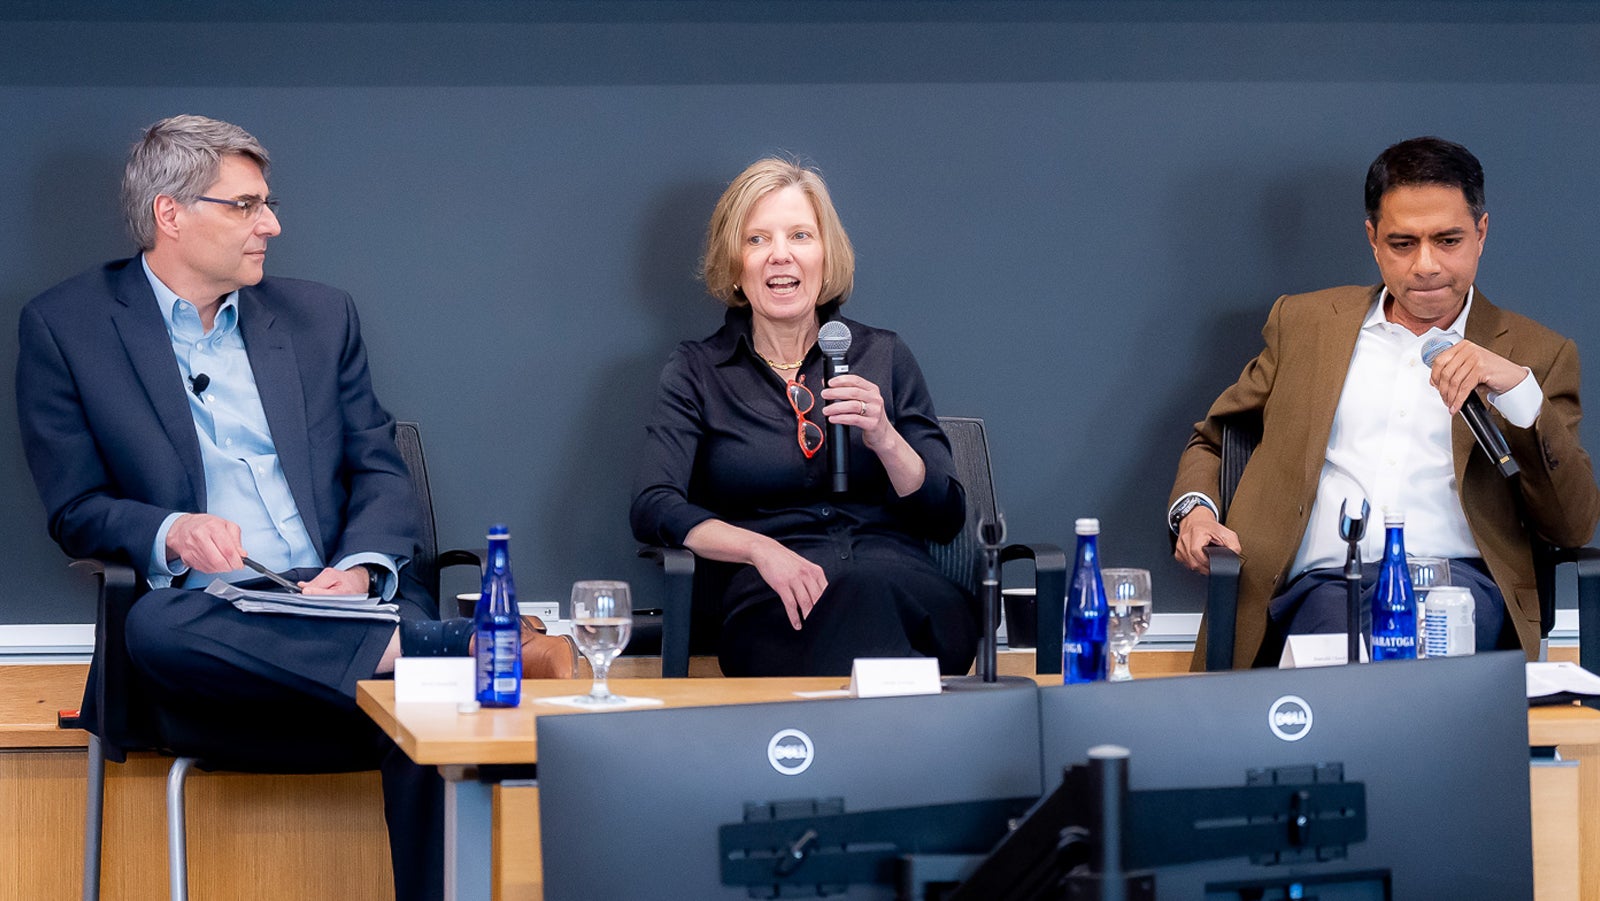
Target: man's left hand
x=1460, y=369
x=338, y=581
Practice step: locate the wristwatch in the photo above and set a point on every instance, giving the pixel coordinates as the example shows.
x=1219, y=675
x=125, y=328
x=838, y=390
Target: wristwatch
x=374, y=584
x=1184, y=507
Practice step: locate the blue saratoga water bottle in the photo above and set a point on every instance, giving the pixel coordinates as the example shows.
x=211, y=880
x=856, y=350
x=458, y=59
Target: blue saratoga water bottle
x=1083, y=653
x=498, y=628
x=1394, y=603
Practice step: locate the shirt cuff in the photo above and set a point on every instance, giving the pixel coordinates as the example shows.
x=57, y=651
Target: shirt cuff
x=1208, y=502
x=387, y=568
x=1520, y=406
x=161, y=572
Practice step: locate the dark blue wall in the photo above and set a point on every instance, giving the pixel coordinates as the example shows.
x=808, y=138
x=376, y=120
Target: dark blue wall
x=1077, y=213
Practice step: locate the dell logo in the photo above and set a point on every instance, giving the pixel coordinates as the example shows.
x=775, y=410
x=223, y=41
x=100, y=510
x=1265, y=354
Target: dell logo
x=790, y=752
x=1289, y=718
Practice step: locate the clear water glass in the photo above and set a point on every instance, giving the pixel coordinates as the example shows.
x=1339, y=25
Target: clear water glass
x=1426, y=573
x=1129, y=601
x=602, y=622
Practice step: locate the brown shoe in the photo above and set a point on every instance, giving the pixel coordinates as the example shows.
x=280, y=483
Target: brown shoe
x=546, y=656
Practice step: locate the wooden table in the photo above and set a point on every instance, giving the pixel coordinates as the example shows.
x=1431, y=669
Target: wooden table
x=1565, y=800
x=462, y=745
x=1566, y=804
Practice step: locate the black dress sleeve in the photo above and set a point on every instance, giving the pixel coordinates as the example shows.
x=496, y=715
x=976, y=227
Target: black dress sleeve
x=661, y=513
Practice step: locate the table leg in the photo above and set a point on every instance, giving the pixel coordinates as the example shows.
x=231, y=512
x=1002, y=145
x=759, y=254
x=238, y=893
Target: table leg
x=468, y=835
x=1588, y=760
x=1556, y=823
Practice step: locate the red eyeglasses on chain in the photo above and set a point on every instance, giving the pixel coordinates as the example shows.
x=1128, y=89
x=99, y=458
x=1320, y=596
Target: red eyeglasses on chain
x=808, y=433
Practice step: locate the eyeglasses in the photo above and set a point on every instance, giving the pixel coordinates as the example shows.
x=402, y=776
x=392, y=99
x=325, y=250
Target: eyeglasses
x=249, y=207
x=807, y=432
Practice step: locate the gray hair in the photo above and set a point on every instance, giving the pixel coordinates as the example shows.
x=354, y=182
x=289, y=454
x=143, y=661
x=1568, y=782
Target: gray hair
x=179, y=157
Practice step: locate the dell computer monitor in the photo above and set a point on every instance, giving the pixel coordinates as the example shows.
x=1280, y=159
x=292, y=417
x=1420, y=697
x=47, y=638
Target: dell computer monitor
x=631, y=802
x=1441, y=745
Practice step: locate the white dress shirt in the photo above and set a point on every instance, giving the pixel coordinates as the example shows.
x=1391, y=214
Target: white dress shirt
x=1390, y=444
x=245, y=483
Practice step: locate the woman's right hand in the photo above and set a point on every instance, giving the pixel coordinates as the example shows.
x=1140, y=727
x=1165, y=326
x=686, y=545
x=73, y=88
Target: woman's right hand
x=798, y=581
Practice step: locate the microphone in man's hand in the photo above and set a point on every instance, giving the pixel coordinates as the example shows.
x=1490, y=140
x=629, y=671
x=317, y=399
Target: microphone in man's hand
x=199, y=383
x=1477, y=416
x=834, y=341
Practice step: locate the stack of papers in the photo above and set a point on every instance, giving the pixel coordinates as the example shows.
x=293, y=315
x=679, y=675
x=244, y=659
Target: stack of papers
x=1560, y=683
x=323, y=606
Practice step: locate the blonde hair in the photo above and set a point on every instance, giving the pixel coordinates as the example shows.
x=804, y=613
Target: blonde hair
x=724, y=259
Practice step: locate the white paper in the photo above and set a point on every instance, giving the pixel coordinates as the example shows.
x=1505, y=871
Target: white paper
x=321, y=606
x=231, y=592
x=618, y=702
x=893, y=677
x=1553, y=678
x=1331, y=649
x=428, y=680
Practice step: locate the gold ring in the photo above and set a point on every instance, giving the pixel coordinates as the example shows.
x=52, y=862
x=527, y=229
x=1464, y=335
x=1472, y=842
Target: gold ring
x=863, y=407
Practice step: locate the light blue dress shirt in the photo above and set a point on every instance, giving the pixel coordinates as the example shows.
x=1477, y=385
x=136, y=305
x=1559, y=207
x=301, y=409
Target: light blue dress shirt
x=245, y=483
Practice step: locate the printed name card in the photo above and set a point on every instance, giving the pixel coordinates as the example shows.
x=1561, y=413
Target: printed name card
x=1317, y=650
x=421, y=680
x=892, y=677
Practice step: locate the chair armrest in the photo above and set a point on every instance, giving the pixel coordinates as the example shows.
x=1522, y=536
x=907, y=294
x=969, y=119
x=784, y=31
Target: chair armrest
x=1222, y=607
x=677, y=567
x=107, y=695
x=1588, y=563
x=459, y=557
x=1050, y=598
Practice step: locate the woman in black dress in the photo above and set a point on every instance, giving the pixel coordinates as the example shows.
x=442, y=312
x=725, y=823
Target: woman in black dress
x=735, y=469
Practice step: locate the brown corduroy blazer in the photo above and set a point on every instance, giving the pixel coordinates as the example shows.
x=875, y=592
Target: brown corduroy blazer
x=1294, y=385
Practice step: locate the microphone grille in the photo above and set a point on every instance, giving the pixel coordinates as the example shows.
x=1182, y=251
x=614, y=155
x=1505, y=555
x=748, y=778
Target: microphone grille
x=833, y=337
x=1433, y=348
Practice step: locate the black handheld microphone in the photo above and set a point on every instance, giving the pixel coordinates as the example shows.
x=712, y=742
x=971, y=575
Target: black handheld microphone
x=834, y=340
x=1477, y=416
x=199, y=383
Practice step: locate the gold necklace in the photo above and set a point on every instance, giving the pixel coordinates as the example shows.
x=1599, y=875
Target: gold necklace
x=781, y=367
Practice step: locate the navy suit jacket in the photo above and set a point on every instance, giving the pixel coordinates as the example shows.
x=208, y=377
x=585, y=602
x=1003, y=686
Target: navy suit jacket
x=108, y=433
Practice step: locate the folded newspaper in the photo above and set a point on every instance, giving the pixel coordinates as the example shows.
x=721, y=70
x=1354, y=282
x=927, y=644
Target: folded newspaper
x=324, y=606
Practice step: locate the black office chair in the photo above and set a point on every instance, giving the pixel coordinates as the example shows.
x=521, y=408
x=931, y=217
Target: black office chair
x=120, y=717
x=691, y=604
x=1241, y=434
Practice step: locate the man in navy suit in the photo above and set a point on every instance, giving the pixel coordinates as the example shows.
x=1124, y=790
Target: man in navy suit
x=180, y=411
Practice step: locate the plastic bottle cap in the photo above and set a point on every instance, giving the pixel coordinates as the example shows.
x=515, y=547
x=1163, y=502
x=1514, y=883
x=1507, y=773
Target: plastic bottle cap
x=498, y=531
x=1394, y=516
x=1088, y=526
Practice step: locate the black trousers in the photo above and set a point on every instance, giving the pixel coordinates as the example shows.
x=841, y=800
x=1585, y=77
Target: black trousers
x=272, y=693
x=883, y=600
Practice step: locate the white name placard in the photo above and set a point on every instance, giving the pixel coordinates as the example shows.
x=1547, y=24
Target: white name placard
x=1318, y=650
x=891, y=677
x=420, y=680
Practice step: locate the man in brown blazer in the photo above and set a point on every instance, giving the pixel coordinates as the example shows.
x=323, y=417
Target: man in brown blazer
x=1348, y=409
